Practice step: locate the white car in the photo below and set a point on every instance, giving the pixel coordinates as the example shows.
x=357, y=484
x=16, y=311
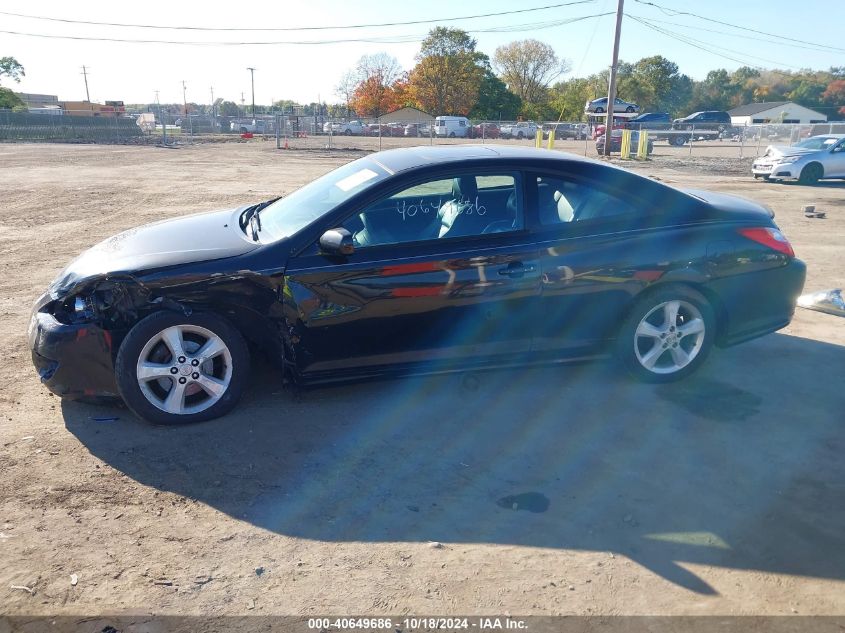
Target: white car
x=350, y=128
x=253, y=126
x=521, y=129
x=808, y=161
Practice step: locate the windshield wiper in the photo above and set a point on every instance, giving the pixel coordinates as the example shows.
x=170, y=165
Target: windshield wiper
x=255, y=223
x=251, y=217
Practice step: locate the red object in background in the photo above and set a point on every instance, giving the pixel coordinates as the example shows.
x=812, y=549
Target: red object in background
x=599, y=129
x=247, y=135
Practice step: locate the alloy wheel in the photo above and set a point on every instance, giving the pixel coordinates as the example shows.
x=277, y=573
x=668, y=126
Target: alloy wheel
x=669, y=337
x=184, y=369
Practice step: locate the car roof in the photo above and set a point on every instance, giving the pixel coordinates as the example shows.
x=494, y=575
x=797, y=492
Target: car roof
x=397, y=160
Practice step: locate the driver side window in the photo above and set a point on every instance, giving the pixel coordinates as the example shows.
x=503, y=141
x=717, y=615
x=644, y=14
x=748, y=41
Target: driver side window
x=464, y=206
x=561, y=201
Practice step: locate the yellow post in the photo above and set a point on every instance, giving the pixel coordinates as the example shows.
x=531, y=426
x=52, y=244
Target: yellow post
x=642, y=148
x=625, y=149
x=538, y=138
x=551, y=139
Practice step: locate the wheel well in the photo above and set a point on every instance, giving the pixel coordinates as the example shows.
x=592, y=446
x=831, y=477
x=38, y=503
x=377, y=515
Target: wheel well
x=814, y=164
x=719, y=311
x=252, y=327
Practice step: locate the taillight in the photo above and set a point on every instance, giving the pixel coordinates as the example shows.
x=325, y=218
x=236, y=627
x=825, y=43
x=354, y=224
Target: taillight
x=770, y=237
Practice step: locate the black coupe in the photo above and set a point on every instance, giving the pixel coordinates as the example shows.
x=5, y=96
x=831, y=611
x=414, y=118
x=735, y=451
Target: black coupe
x=416, y=260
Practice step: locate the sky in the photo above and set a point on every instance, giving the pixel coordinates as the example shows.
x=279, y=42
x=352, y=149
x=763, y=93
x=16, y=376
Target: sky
x=133, y=72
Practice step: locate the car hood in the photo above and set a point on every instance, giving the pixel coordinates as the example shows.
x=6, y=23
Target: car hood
x=193, y=238
x=730, y=203
x=779, y=151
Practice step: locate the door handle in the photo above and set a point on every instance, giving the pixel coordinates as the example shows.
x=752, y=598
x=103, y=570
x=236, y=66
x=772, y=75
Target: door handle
x=517, y=269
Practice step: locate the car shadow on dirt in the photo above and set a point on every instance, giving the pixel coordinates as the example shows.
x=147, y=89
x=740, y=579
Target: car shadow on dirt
x=739, y=466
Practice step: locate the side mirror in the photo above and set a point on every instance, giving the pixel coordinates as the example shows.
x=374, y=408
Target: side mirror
x=337, y=242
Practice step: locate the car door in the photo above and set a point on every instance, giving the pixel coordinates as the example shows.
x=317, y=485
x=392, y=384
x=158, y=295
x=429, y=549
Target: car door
x=596, y=252
x=412, y=293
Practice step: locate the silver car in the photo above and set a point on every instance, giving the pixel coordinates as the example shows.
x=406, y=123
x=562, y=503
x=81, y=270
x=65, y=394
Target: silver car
x=807, y=162
x=598, y=106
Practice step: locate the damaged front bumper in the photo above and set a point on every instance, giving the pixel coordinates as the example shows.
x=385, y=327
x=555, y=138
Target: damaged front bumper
x=73, y=360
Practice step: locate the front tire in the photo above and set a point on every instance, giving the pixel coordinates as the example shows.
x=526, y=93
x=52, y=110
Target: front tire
x=811, y=174
x=173, y=369
x=667, y=335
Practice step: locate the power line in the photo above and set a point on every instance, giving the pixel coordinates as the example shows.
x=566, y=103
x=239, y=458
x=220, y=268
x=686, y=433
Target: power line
x=394, y=39
x=590, y=42
x=297, y=28
x=673, y=12
x=692, y=41
x=814, y=47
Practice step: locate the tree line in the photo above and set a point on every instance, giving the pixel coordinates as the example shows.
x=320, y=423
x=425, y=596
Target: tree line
x=522, y=81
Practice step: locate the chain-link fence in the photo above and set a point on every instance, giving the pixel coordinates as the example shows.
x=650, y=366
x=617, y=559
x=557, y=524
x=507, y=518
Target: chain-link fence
x=71, y=127
x=309, y=132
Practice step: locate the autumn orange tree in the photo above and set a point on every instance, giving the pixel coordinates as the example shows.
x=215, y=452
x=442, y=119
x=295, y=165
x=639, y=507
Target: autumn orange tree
x=835, y=94
x=448, y=74
x=379, y=85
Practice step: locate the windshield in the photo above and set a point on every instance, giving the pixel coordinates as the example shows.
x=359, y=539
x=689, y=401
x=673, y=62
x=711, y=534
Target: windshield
x=817, y=142
x=297, y=210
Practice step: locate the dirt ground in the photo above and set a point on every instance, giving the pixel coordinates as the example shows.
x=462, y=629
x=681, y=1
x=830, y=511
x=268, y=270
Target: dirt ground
x=556, y=490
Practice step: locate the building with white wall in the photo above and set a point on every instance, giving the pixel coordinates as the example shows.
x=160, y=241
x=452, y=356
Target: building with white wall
x=774, y=112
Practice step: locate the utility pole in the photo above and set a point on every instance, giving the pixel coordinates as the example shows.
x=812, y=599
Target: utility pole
x=163, y=122
x=85, y=74
x=184, y=97
x=213, y=114
x=252, y=80
x=611, y=89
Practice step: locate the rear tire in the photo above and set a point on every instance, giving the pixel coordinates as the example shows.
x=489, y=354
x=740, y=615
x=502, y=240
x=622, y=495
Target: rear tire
x=667, y=335
x=173, y=369
x=678, y=141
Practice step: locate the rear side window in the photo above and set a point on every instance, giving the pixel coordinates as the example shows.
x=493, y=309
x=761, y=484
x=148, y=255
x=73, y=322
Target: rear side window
x=562, y=201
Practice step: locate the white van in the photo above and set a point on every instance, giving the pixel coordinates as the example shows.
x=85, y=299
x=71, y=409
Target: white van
x=451, y=126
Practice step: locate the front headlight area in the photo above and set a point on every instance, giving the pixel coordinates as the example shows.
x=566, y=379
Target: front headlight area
x=786, y=160
x=75, y=309
x=107, y=304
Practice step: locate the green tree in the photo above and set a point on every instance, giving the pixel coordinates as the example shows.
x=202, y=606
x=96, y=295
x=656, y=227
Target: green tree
x=568, y=98
x=655, y=84
x=528, y=67
x=228, y=108
x=11, y=67
x=10, y=100
x=449, y=72
x=495, y=101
